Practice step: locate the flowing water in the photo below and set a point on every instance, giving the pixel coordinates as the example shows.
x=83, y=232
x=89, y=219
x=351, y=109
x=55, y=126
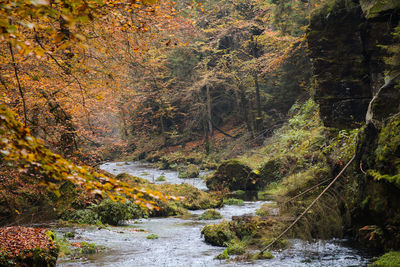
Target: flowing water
x=180, y=242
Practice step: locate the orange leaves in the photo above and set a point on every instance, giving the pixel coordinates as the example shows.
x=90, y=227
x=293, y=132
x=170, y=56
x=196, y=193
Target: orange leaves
x=18, y=147
x=16, y=240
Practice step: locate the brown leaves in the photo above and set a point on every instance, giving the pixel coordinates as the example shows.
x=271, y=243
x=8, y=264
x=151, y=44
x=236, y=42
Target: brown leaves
x=15, y=239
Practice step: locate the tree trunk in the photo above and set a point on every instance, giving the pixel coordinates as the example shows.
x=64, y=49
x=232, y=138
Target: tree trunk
x=258, y=103
x=243, y=102
x=68, y=135
x=207, y=141
x=21, y=91
x=209, y=113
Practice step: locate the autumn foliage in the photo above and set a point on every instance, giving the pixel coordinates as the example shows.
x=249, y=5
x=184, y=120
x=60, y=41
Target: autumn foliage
x=26, y=246
x=28, y=154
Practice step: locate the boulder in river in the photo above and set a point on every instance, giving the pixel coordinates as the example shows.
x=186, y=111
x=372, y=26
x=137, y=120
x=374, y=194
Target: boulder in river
x=234, y=175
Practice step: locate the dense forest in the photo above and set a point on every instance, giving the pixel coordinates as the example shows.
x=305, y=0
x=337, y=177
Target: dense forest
x=269, y=127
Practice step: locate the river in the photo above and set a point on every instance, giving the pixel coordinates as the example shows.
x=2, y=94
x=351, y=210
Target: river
x=180, y=242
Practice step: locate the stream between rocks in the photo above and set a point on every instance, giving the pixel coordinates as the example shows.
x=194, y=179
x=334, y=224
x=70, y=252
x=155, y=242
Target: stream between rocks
x=180, y=242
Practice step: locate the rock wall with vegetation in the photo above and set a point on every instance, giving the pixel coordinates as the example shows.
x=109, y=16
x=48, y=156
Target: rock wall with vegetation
x=354, y=48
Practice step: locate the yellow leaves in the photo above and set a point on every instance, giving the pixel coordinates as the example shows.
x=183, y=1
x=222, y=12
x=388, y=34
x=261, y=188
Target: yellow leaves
x=108, y=187
x=39, y=2
x=33, y=155
x=149, y=2
x=83, y=170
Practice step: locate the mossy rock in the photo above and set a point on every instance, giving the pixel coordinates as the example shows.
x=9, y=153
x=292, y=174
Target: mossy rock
x=387, y=153
x=223, y=256
x=161, y=178
x=88, y=248
x=192, y=197
x=152, y=236
x=234, y=202
x=130, y=179
x=218, y=234
x=373, y=8
x=236, y=247
x=273, y=170
x=390, y=259
x=170, y=208
x=191, y=171
x=234, y=175
x=262, y=256
x=210, y=214
x=107, y=212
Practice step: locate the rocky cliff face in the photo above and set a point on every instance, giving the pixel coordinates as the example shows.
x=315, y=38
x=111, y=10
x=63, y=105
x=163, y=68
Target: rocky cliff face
x=354, y=45
x=345, y=40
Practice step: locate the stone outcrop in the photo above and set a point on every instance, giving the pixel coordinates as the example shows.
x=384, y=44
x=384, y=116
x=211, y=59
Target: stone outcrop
x=354, y=47
x=346, y=42
x=234, y=175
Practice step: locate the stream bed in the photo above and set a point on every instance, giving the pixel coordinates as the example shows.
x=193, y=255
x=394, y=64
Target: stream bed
x=180, y=242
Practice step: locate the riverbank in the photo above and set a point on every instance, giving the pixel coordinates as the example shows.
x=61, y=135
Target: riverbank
x=180, y=243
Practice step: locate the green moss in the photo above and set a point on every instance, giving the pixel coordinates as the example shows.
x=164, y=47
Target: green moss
x=88, y=248
x=85, y=216
x=63, y=245
x=192, y=197
x=279, y=244
x=389, y=140
x=238, y=193
x=387, y=153
x=107, y=212
x=191, y=171
x=161, y=178
x=273, y=171
x=234, y=201
x=390, y=259
x=115, y=212
x=234, y=175
x=266, y=209
x=372, y=8
x=210, y=214
x=236, y=247
x=218, y=234
x=262, y=256
x=152, y=236
x=131, y=179
x=223, y=256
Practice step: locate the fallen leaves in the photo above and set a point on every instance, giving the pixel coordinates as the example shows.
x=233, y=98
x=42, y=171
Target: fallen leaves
x=15, y=240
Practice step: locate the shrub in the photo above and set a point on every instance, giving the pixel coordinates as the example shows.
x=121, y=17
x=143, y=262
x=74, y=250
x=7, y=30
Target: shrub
x=107, y=212
x=115, y=212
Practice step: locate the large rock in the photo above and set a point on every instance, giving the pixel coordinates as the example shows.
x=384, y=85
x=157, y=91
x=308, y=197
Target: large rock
x=354, y=48
x=340, y=69
x=234, y=175
x=346, y=46
x=376, y=215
